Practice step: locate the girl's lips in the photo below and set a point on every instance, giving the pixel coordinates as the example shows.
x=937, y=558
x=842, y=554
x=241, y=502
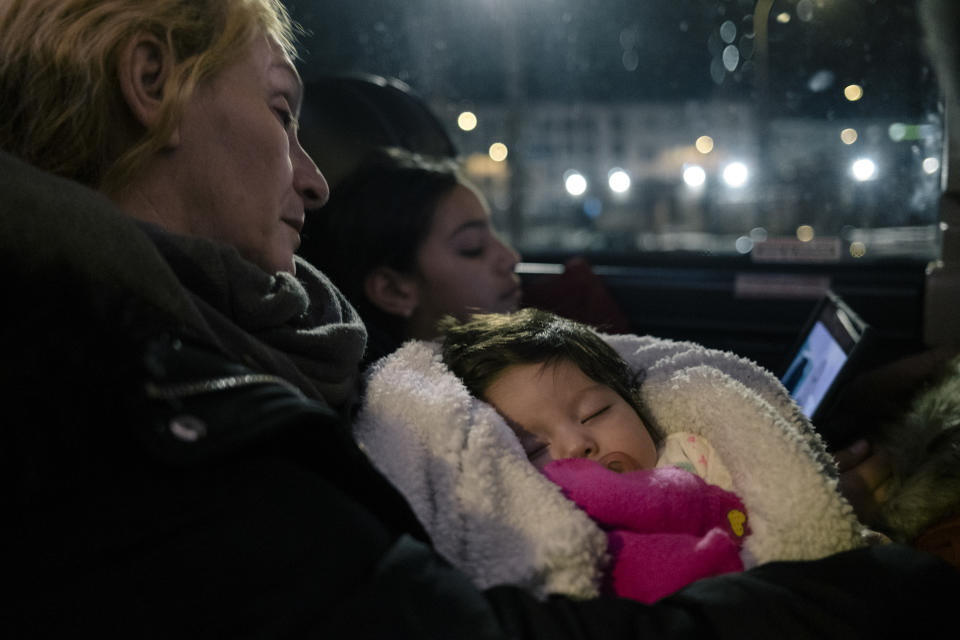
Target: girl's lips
x=619, y=462
x=511, y=293
x=510, y=300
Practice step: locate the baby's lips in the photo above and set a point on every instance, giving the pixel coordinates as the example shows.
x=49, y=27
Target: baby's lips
x=619, y=462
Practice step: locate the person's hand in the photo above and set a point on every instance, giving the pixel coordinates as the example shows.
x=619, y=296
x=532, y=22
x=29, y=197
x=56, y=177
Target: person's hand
x=865, y=475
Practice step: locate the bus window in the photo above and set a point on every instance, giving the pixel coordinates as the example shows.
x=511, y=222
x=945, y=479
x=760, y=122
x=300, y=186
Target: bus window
x=776, y=130
x=706, y=156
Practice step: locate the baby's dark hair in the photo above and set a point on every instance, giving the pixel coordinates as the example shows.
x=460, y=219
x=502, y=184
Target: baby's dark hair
x=481, y=348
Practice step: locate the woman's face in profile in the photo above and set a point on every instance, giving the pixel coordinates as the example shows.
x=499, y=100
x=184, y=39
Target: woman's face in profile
x=463, y=266
x=243, y=177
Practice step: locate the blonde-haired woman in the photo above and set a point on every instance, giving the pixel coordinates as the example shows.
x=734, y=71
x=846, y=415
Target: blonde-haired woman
x=175, y=381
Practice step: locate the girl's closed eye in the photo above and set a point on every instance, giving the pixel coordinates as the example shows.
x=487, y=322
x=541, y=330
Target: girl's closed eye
x=471, y=244
x=471, y=252
x=595, y=414
x=472, y=240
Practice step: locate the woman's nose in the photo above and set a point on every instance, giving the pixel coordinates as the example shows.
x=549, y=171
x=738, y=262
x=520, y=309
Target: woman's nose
x=307, y=179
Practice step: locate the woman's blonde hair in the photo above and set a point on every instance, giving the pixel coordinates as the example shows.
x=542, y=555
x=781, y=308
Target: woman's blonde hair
x=61, y=107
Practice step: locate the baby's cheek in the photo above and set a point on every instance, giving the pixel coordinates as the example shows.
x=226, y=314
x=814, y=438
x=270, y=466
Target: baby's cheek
x=649, y=459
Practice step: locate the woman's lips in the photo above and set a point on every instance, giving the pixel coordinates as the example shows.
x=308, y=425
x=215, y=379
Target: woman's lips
x=295, y=223
x=619, y=462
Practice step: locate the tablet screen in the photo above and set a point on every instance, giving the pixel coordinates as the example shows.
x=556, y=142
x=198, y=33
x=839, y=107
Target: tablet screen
x=815, y=367
x=832, y=335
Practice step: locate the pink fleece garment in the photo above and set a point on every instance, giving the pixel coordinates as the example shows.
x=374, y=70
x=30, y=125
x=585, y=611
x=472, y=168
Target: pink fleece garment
x=665, y=527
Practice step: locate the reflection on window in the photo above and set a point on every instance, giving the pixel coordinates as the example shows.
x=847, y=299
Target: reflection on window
x=623, y=127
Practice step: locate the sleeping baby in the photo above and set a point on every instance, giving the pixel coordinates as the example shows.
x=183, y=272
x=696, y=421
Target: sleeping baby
x=540, y=453
x=671, y=517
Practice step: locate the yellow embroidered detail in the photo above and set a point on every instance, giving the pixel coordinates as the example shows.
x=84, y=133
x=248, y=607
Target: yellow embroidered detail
x=737, y=519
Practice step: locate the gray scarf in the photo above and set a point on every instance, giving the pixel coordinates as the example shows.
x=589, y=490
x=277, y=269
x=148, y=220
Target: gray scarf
x=299, y=327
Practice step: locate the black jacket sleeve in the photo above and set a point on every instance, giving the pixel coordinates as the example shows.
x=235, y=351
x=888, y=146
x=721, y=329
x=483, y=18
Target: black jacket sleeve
x=884, y=592
x=881, y=592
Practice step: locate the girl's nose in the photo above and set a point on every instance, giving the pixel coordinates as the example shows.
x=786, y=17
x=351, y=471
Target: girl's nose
x=507, y=257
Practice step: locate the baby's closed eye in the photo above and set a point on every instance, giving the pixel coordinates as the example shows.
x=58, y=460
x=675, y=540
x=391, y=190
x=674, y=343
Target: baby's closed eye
x=539, y=450
x=533, y=445
x=594, y=414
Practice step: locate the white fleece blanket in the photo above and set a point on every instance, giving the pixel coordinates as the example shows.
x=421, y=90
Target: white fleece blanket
x=498, y=519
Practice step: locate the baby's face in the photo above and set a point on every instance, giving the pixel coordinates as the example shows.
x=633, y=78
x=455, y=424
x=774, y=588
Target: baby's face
x=558, y=412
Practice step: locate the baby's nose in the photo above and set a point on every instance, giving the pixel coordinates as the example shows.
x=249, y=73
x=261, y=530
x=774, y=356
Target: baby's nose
x=577, y=444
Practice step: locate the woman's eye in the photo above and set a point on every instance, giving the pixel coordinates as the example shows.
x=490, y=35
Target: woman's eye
x=285, y=116
x=594, y=415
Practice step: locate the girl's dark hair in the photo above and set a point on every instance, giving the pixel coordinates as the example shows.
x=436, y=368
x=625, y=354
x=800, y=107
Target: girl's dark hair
x=378, y=216
x=478, y=350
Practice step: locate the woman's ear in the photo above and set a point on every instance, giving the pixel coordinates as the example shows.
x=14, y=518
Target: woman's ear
x=391, y=291
x=144, y=66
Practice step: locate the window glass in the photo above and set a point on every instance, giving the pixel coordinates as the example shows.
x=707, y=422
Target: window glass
x=766, y=129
